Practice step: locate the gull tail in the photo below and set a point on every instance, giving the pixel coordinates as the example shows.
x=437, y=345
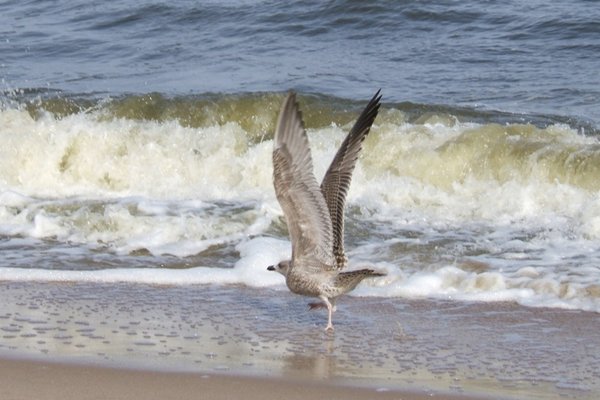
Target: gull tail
x=350, y=279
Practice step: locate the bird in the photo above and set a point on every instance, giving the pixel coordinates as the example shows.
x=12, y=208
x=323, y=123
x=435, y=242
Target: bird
x=315, y=214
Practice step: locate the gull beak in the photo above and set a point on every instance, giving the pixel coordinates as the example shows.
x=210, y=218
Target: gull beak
x=271, y=268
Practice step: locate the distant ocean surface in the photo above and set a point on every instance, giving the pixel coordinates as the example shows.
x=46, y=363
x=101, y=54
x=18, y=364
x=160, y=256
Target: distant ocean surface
x=136, y=140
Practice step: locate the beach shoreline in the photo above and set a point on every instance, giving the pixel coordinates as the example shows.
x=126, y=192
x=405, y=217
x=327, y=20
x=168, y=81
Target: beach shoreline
x=116, y=338
x=28, y=379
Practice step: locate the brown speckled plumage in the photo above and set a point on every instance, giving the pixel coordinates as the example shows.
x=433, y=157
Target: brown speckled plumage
x=315, y=214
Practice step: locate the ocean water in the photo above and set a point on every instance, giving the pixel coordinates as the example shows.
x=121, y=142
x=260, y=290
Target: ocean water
x=136, y=140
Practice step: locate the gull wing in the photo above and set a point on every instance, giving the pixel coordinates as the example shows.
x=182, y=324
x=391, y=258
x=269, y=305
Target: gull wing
x=298, y=192
x=337, y=178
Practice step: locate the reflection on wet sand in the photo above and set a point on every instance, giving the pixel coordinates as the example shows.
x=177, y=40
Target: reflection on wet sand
x=499, y=349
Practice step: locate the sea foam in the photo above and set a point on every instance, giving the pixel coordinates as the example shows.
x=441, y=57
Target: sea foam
x=460, y=210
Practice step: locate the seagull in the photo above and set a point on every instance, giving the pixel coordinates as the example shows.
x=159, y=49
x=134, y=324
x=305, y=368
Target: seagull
x=315, y=215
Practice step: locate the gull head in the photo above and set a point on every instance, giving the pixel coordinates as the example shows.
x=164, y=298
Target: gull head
x=282, y=267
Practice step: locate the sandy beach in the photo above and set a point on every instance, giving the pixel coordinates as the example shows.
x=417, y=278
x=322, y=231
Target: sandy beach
x=87, y=341
x=25, y=380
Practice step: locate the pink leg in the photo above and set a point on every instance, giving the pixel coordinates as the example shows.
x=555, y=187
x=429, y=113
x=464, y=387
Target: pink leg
x=329, y=327
x=315, y=306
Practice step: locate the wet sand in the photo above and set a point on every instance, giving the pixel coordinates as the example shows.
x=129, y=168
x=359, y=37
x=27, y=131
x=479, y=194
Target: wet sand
x=237, y=337
x=26, y=380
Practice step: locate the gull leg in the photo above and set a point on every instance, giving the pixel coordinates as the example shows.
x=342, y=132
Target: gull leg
x=315, y=306
x=329, y=327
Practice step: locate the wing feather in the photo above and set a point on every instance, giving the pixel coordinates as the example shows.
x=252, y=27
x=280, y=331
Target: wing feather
x=337, y=179
x=298, y=192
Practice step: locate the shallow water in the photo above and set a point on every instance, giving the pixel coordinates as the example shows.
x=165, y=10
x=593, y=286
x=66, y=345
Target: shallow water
x=499, y=350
